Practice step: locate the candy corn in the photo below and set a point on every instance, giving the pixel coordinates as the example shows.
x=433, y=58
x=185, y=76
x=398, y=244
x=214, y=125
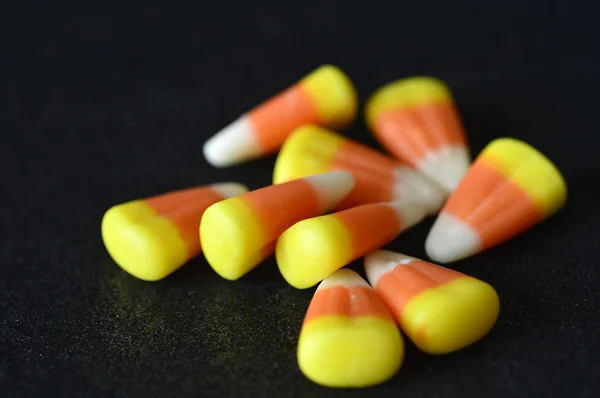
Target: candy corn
x=151, y=238
x=238, y=233
x=510, y=188
x=417, y=121
x=311, y=149
x=349, y=338
x=326, y=96
x=440, y=310
x=313, y=249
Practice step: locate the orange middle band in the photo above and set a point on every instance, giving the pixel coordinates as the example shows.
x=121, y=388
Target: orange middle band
x=373, y=173
x=414, y=131
x=351, y=302
x=274, y=119
x=177, y=207
x=288, y=195
x=364, y=222
x=487, y=199
x=407, y=280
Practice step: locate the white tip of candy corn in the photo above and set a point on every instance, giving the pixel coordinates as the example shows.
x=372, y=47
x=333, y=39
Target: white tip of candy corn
x=412, y=185
x=236, y=143
x=343, y=277
x=380, y=262
x=230, y=189
x=332, y=187
x=409, y=212
x=446, y=166
x=451, y=239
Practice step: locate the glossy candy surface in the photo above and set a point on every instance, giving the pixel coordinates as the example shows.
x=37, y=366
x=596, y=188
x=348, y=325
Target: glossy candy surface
x=237, y=234
x=313, y=249
x=151, y=238
x=348, y=338
x=312, y=149
x=510, y=188
x=417, y=121
x=324, y=97
x=439, y=309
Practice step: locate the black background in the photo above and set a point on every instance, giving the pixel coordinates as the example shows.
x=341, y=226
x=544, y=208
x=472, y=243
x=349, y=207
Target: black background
x=110, y=101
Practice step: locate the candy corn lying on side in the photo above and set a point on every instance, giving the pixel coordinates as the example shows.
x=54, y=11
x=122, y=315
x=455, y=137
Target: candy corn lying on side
x=238, y=233
x=348, y=338
x=510, y=188
x=313, y=249
x=439, y=309
x=324, y=97
x=417, y=121
x=312, y=149
x=151, y=238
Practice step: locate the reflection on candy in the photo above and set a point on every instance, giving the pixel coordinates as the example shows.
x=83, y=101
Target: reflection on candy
x=348, y=338
x=324, y=97
x=379, y=178
x=313, y=249
x=238, y=233
x=417, y=121
x=510, y=188
x=151, y=238
x=440, y=310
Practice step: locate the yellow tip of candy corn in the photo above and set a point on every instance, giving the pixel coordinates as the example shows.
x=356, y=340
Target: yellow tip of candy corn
x=313, y=249
x=148, y=250
x=531, y=170
x=231, y=236
x=308, y=150
x=334, y=94
x=411, y=91
x=449, y=317
x=328, y=349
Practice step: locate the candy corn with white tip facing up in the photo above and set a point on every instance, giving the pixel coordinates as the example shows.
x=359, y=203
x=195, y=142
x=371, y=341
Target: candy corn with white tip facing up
x=151, y=238
x=349, y=338
x=311, y=149
x=439, y=309
x=417, y=121
x=237, y=234
x=510, y=188
x=324, y=97
x=313, y=249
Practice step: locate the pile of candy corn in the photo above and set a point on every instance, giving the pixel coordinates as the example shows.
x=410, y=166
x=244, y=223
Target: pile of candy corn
x=333, y=201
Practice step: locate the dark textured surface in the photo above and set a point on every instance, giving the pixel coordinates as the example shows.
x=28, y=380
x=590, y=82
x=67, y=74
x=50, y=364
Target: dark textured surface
x=112, y=102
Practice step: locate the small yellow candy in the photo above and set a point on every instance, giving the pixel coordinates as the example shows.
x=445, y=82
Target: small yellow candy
x=439, y=309
x=349, y=338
